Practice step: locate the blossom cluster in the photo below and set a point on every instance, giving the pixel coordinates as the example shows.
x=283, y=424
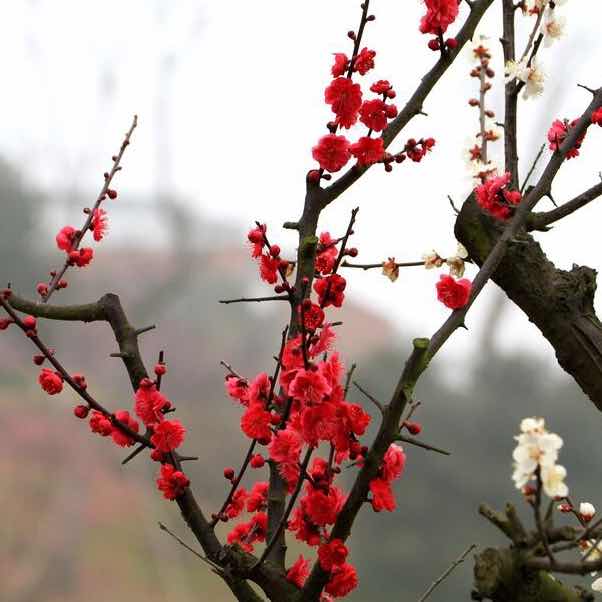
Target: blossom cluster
x=291, y=417
x=349, y=106
x=494, y=196
x=150, y=406
x=69, y=238
x=476, y=154
x=527, y=69
x=535, y=458
x=440, y=14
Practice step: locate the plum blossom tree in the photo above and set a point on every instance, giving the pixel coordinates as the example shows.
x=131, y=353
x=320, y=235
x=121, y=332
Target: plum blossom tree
x=301, y=427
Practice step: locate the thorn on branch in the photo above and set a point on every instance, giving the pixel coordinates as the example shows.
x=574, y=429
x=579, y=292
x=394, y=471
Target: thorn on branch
x=139, y=449
x=423, y=445
x=188, y=458
x=590, y=90
x=229, y=368
x=451, y=202
x=140, y=331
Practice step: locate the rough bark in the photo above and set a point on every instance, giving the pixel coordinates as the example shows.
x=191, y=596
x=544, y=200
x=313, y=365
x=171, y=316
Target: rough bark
x=501, y=576
x=558, y=302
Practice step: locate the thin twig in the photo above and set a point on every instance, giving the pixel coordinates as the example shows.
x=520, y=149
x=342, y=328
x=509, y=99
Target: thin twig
x=235, y=483
x=371, y=266
x=216, y=568
x=255, y=299
x=451, y=202
x=348, y=379
x=538, y=521
x=449, y=570
x=423, y=445
x=375, y=401
x=229, y=368
x=537, y=158
x=288, y=510
x=88, y=223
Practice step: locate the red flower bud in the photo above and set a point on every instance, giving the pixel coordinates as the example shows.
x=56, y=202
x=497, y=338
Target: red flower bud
x=112, y=193
x=414, y=428
x=313, y=176
x=5, y=323
x=434, y=44
x=38, y=360
x=157, y=456
x=451, y=43
x=229, y=473
x=80, y=381
x=29, y=322
x=42, y=289
x=81, y=411
x=160, y=369
x=275, y=251
x=257, y=461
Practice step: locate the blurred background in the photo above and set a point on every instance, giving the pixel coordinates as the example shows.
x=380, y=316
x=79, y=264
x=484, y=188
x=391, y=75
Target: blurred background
x=229, y=98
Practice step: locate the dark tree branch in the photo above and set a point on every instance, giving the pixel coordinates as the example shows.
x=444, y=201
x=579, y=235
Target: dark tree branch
x=425, y=350
x=559, y=303
x=510, y=94
x=414, y=105
x=108, y=308
x=540, y=221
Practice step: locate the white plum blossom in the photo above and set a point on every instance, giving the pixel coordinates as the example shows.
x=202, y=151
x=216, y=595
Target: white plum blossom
x=533, y=7
x=587, y=511
x=552, y=27
x=594, y=554
x=391, y=269
x=478, y=47
x=456, y=262
x=532, y=425
x=531, y=75
x=537, y=449
x=432, y=259
x=478, y=170
x=552, y=480
x=597, y=585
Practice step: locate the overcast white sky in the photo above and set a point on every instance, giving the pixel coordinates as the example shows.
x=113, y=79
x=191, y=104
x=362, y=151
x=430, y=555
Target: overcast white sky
x=230, y=125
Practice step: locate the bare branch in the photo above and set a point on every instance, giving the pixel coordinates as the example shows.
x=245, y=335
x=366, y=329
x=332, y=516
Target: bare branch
x=447, y=572
x=539, y=221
